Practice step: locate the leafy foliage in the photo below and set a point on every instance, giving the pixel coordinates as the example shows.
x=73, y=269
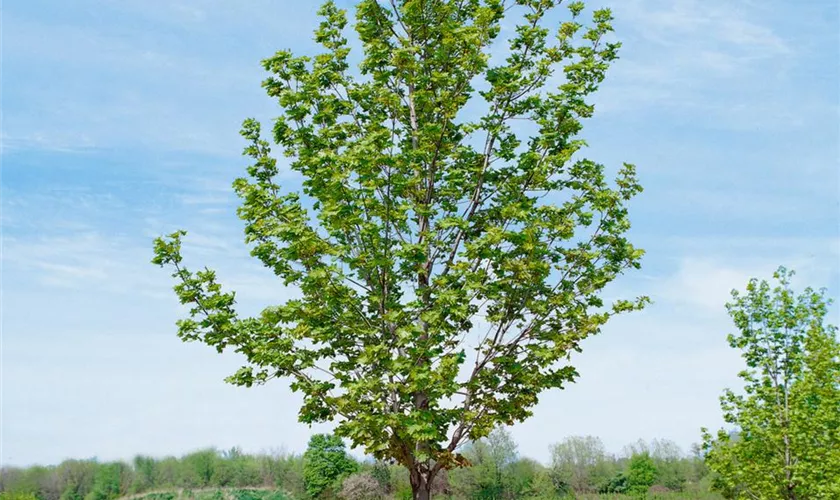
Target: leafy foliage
x=144, y=477
x=641, y=474
x=541, y=487
x=423, y=220
x=75, y=478
x=616, y=484
x=787, y=439
x=201, y=466
x=107, y=484
x=493, y=473
x=672, y=470
x=326, y=464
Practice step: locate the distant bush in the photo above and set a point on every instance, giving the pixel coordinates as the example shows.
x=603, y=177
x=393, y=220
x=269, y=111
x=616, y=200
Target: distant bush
x=617, y=484
x=361, y=487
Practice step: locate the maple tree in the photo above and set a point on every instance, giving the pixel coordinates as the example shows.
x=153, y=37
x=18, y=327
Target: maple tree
x=444, y=198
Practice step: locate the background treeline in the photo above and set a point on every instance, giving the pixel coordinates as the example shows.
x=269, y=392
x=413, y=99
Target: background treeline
x=579, y=467
x=94, y=480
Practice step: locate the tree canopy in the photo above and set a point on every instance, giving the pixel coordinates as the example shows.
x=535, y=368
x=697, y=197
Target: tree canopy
x=786, y=441
x=450, y=243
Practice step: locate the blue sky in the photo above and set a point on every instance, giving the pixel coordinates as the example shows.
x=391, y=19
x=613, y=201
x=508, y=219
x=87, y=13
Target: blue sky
x=120, y=123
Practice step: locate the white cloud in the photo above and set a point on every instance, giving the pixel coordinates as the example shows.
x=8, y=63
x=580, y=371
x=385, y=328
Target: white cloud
x=717, y=64
x=725, y=24
x=703, y=283
x=706, y=283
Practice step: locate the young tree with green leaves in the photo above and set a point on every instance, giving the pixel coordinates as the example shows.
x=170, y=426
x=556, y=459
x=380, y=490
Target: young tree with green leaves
x=325, y=464
x=144, y=473
x=787, y=444
x=641, y=474
x=108, y=481
x=198, y=468
x=76, y=478
x=425, y=222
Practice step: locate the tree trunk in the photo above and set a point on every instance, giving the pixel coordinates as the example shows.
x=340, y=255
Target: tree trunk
x=421, y=485
x=790, y=487
x=421, y=494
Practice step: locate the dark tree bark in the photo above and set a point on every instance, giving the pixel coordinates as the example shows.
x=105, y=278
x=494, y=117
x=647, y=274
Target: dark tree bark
x=421, y=484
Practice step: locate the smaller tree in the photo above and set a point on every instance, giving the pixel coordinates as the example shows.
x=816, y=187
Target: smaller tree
x=107, y=484
x=641, y=474
x=671, y=466
x=697, y=464
x=144, y=473
x=325, y=464
x=168, y=473
x=523, y=474
x=787, y=439
x=76, y=478
x=579, y=464
x=290, y=474
x=38, y=480
x=541, y=487
x=198, y=468
x=492, y=459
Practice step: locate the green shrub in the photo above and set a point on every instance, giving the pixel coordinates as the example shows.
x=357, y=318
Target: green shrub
x=325, y=464
x=641, y=474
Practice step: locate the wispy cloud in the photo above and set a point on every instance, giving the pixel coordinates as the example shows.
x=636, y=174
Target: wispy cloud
x=81, y=262
x=704, y=284
x=145, y=94
x=718, y=62
x=722, y=24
